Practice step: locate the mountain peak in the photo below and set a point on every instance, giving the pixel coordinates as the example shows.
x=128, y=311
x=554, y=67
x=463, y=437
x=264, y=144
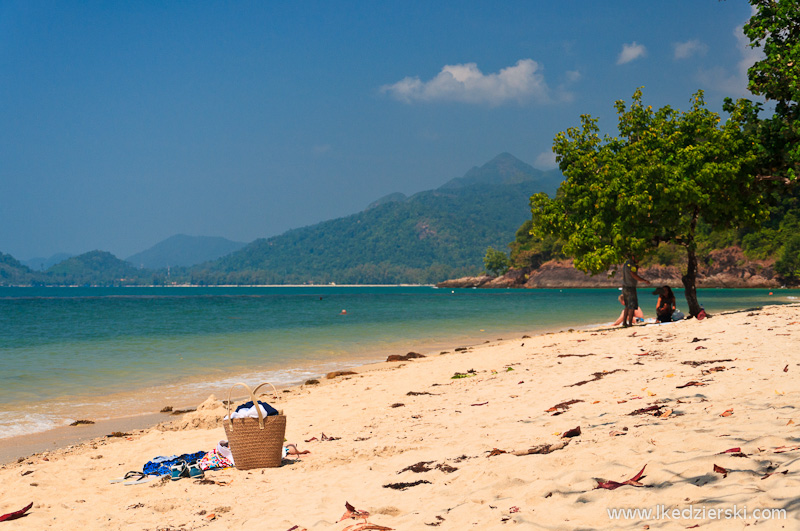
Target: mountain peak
x=505, y=168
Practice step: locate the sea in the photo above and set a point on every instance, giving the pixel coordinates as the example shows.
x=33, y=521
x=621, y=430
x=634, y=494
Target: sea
x=100, y=353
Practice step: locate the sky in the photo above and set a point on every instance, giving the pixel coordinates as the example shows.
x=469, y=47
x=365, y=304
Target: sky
x=125, y=123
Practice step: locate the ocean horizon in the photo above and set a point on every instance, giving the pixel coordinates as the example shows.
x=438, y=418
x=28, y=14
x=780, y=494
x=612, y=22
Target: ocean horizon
x=100, y=353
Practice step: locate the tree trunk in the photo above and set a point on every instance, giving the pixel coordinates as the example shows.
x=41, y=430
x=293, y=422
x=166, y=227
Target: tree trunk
x=690, y=278
x=689, y=283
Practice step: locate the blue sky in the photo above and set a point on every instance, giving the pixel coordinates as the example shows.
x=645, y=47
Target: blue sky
x=124, y=123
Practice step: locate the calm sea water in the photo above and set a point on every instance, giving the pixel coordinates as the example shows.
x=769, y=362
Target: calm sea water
x=106, y=352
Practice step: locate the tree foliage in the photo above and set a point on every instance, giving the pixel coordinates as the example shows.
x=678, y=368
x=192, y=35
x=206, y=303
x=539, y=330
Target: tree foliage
x=496, y=262
x=775, y=28
x=625, y=195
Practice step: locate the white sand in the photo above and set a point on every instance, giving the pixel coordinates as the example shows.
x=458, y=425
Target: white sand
x=456, y=426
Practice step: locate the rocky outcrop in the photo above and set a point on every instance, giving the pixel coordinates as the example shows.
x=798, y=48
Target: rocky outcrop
x=724, y=268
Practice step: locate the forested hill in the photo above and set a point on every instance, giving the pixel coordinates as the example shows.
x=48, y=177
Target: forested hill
x=425, y=238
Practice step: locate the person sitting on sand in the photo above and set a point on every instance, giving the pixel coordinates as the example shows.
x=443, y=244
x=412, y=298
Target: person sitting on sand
x=638, y=314
x=665, y=305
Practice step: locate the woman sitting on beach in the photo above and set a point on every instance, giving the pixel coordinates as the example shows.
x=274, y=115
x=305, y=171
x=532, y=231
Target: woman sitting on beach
x=665, y=305
x=638, y=315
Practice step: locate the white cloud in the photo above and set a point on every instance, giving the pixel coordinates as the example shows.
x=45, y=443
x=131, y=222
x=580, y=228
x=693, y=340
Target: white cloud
x=734, y=82
x=684, y=50
x=466, y=83
x=573, y=76
x=631, y=52
x=546, y=161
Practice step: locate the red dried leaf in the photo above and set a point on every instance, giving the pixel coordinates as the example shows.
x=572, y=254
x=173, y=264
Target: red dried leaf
x=726, y=413
x=353, y=513
x=480, y=404
x=611, y=485
x=731, y=451
x=719, y=470
x=16, y=514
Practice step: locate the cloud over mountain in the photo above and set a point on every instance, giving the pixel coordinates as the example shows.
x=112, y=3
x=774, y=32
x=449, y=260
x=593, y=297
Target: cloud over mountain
x=467, y=84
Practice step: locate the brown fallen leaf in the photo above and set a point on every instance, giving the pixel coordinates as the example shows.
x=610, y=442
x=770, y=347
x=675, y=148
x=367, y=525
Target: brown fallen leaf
x=480, y=404
x=665, y=414
x=726, y=413
x=783, y=449
x=496, y=451
x=693, y=383
x=574, y=432
x=611, y=485
x=615, y=433
x=719, y=470
x=786, y=369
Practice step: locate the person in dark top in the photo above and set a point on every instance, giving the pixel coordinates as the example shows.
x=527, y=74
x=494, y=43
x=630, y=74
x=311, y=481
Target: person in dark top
x=665, y=304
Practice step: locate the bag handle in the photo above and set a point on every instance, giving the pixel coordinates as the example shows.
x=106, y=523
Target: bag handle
x=255, y=403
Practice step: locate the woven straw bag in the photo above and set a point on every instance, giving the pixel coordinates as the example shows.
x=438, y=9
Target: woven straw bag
x=255, y=442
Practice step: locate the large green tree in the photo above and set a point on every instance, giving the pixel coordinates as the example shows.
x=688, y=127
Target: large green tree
x=625, y=195
x=775, y=28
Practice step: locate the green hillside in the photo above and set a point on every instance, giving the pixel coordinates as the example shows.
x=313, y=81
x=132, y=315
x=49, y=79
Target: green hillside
x=97, y=268
x=426, y=238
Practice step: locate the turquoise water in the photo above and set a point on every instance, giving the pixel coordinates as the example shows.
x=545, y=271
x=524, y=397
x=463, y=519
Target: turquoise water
x=109, y=349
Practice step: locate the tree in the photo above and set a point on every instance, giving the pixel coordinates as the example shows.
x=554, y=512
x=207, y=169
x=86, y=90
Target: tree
x=496, y=262
x=625, y=195
x=775, y=27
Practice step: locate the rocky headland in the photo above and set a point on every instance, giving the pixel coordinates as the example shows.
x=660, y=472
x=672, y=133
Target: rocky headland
x=723, y=268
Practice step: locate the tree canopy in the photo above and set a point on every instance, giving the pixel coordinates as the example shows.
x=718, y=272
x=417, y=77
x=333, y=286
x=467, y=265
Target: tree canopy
x=651, y=184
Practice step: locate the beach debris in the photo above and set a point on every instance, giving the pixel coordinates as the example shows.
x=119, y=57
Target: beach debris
x=297, y=528
x=651, y=410
x=118, y=434
x=574, y=355
x=480, y=404
x=398, y=404
x=16, y=514
x=404, y=486
x=312, y=381
x=323, y=437
x=764, y=477
x=334, y=374
x=496, y=451
x=437, y=523
x=461, y=349
x=698, y=363
x=783, y=449
x=719, y=470
x=611, y=485
x=407, y=357
x=786, y=369
x=596, y=376
x=543, y=448
x=706, y=372
x=183, y=411
x=166, y=409
x=615, y=433
x=697, y=339
x=726, y=413
x=700, y=348
x=423, y=466
x=80, y=422
x=513, y=509
x=693, y=383
x=574, y=432
x=420, y=393
x=467, y=374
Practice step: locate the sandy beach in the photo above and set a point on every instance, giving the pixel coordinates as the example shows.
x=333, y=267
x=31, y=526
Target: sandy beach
x=695, y=421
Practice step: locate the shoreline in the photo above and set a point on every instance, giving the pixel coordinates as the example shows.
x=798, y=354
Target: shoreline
x=148, y=413
x=701, y=413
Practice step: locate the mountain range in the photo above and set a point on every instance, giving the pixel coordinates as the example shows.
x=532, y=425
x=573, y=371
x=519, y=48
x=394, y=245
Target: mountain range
x=425, y=238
